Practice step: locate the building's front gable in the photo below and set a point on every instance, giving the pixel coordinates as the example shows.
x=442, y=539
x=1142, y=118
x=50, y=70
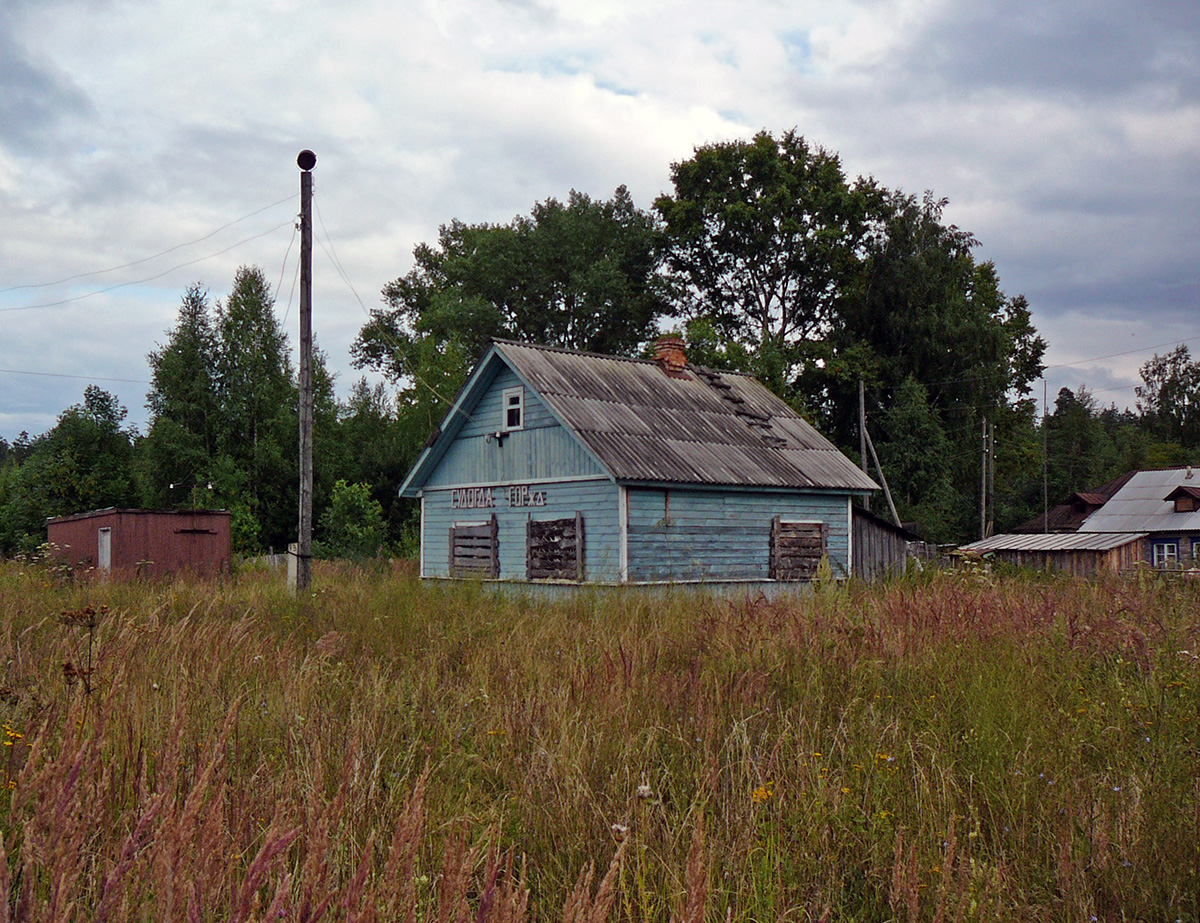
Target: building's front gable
x=484, y=451
x=551, y=466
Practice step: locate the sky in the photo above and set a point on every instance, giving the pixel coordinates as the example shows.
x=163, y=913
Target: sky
x=148, y=145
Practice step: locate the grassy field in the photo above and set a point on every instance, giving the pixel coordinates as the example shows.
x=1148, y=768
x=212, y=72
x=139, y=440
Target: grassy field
x=952, y=747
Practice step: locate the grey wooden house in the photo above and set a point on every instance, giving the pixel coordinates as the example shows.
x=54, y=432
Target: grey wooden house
x=561, y=466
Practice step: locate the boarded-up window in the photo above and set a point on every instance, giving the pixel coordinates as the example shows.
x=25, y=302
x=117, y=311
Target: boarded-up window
x=554, y=548
x=797, y=548
x=475, y=549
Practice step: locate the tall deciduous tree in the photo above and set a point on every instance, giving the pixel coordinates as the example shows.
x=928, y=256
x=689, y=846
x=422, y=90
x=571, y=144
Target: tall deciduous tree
x=83, y=463
x=581, y=275
x=762, y=239
x=1169, y=396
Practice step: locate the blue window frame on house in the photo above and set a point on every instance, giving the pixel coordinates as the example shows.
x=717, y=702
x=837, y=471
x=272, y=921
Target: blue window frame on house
x=513, y=409
x=1165, y=553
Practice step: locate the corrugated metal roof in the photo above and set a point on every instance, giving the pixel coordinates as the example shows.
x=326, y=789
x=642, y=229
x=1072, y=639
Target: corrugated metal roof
x=1140, y=505
x=699, y=427
x=1062, y=541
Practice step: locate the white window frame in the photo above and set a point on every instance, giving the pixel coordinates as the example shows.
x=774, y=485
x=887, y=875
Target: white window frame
x=518, y=405
x=1165, y=554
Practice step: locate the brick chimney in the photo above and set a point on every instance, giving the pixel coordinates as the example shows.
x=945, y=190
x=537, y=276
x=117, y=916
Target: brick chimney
x=670, y=354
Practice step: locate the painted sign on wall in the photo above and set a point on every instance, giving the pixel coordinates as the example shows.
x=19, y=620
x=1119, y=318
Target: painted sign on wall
x=479, y=498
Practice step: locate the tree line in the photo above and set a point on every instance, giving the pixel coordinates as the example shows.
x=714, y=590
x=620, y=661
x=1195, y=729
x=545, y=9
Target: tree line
x=765, y=256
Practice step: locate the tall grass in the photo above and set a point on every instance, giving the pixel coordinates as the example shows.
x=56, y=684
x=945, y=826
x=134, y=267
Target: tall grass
x=954, y=747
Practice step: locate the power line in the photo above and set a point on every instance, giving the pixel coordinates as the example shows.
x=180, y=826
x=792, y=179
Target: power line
x=337, y=265
x=1128, y=352
x=100, y=272
x=131, y=381
x=165, y=272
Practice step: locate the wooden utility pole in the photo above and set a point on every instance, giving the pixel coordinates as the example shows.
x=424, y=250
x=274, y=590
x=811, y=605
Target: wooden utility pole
x=862, y=434
x=306, y=161
x=983, y=482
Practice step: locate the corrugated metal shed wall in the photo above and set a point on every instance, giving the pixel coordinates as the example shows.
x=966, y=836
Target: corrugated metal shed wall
x=149, y=542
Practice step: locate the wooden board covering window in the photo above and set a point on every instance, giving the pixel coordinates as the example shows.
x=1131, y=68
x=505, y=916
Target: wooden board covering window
x=554, y=548
x=797, y=548
x=475, y=550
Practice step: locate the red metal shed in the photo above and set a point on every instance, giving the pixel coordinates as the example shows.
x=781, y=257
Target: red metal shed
x=150, y=542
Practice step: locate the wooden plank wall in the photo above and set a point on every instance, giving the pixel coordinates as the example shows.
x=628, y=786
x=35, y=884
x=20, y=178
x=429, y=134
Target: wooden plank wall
x=554, y=548
x=542, y=449
x=722, y=535
x=878, y=550
x=597, y=502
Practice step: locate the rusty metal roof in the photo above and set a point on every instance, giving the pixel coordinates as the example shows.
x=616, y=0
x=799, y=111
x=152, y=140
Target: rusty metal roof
x=697, y=427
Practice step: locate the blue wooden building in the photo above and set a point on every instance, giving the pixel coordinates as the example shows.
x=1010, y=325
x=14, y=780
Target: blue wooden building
x=560, y=466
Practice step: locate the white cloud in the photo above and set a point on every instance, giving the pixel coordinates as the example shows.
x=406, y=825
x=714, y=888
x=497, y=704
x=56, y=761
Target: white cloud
x=151, y=124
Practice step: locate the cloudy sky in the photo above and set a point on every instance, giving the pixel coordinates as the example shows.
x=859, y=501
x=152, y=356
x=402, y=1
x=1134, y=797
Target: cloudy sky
x=149, y=144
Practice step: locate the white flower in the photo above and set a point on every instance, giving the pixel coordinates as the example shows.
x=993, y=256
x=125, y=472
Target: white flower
x=643, y=791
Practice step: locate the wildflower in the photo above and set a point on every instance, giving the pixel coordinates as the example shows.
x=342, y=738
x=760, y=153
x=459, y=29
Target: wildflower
x=763, y=793
x=643, y=791
x=845, y=790
x=619, y=832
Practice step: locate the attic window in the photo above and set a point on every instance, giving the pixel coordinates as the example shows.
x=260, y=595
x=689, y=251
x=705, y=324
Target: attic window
x=1186, y=499
x=513, y=409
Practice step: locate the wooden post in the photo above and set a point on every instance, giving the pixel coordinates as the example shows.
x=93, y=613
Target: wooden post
x=983, y=467
x=306, y=161
x=862, y=435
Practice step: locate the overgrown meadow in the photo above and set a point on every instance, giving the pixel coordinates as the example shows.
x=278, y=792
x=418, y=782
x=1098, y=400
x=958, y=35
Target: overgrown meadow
x=954, y=746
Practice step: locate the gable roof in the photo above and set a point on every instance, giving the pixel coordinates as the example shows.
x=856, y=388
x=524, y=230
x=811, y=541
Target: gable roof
x=1069, y=516
x=1141, y=505
x=700, y=426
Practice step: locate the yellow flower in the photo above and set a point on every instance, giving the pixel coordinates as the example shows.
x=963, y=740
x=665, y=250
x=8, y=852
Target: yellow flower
x=845, y=790
x=764, y=793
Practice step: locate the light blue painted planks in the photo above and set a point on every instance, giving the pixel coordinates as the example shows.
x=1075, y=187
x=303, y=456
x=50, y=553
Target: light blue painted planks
x=596, y=500
x=541, y=449
x=714, y=535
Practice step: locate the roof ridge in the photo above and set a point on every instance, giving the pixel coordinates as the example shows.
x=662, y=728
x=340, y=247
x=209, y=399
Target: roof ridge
x=567, y=350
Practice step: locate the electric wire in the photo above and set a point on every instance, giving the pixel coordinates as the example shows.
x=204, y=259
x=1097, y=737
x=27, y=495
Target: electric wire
x=100, y=272
x=130, y=381
x=165, y=272
x=331, y=253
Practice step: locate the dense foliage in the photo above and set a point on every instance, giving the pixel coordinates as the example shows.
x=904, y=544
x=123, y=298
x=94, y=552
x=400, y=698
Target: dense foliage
x=222, y=434
x=764, y=255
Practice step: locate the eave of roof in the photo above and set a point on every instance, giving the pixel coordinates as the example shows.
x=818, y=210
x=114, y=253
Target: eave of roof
x=1062, y=541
